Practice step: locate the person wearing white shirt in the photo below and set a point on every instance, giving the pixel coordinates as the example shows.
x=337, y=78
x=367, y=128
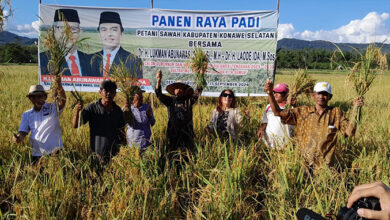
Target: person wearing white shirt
x=42, y=121
x=273, y=133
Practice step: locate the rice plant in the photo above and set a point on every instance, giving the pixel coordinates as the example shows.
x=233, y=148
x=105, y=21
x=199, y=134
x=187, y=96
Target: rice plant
x=302, y=84
x=199, y=64
x=220, y=180
x=127, y=82
x=363, y=72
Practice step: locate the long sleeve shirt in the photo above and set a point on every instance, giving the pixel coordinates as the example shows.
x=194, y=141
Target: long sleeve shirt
x=140, y=132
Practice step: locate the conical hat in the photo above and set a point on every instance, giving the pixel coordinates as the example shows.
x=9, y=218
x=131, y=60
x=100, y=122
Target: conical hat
x=188, y=90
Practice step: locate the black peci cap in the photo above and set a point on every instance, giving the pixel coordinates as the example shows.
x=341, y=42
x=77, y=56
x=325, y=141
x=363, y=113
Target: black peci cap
x=69, y=15
x=110, y=17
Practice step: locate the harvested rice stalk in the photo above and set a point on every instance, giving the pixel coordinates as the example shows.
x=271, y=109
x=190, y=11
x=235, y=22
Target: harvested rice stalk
x=302, y=84
x=58, y=46
x=78, y=98
x=127, y=82
x=363, y=72
x=199, y=63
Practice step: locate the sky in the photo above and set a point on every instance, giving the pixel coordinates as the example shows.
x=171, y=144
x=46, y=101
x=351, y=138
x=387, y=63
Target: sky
x=340, y=21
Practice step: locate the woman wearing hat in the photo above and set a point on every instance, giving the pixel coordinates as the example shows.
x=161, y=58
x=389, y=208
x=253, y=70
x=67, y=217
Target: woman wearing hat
x=180, y=129
x=42, y=121
x=138, y=130
x=272, y=131
x=226, y=118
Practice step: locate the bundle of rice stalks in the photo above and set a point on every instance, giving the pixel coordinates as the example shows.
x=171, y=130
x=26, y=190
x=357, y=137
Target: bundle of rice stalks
x=199, y=64
x=78, y=98
x=57, y=49
x=127, y=83
x=58, y=46
x=363, y=72
x=302, y=84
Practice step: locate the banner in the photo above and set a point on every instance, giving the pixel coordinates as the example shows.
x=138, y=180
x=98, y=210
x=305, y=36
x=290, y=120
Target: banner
x=241, y=46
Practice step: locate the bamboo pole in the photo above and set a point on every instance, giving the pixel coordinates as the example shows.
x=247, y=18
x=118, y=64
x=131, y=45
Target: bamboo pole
x=277, y=6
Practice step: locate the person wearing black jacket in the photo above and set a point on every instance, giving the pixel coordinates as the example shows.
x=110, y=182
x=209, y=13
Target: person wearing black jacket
x=180, y=131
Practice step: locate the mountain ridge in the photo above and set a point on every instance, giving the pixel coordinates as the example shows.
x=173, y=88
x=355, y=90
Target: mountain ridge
x=285, y=43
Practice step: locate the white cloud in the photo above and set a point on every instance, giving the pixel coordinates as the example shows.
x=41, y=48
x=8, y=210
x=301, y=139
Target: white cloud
x=5, y=13
x=372, y=28
x=286, y=31
x=26, y=30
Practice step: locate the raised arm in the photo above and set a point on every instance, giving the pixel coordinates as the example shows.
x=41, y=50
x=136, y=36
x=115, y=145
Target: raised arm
x=268, y=87
x=351, y=127
x=60, y=92
x=166, y=100
x=76, y=115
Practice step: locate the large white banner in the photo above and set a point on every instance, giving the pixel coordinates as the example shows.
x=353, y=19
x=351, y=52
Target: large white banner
x=241, y=46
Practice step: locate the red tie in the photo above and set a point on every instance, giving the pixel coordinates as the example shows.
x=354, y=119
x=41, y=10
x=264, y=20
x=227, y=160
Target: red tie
x=107, y=67
x=74, y=68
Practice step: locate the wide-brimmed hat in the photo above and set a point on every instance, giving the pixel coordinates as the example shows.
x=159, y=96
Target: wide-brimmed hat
x=188, y=90
x=35, y=90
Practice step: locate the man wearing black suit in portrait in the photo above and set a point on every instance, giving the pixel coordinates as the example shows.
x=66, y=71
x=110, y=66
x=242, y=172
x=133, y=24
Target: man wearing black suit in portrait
x=110, y=33
x=77, y=63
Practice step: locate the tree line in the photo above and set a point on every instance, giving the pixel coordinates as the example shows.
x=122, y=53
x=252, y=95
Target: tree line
x=17, y=53
x=306, y=58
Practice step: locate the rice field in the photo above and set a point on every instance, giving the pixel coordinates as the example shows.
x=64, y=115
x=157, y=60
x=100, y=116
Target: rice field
x=219, y=181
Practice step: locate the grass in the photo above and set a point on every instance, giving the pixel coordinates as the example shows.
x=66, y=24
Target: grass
x=219, y=181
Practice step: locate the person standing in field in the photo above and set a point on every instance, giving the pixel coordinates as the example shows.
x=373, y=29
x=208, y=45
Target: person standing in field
x=110, y=33
x=106, y=122
x=42, y=121
x=226, y=118
x=272, y=131
x=138, y=130
x=180, y=131
x=77, y=63
x=316, y=126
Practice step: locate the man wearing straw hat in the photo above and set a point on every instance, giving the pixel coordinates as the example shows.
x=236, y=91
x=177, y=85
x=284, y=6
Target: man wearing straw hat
x=180, y=129
x=42, y=121
x=316, y=126
x=77, y=63
x=110, y=32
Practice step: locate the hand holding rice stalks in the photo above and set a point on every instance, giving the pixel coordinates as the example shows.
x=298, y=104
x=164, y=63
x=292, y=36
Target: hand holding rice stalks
x=199, y=64
x=78, y=98
x=58, y=47
x=127, y=83
x=363, y=72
